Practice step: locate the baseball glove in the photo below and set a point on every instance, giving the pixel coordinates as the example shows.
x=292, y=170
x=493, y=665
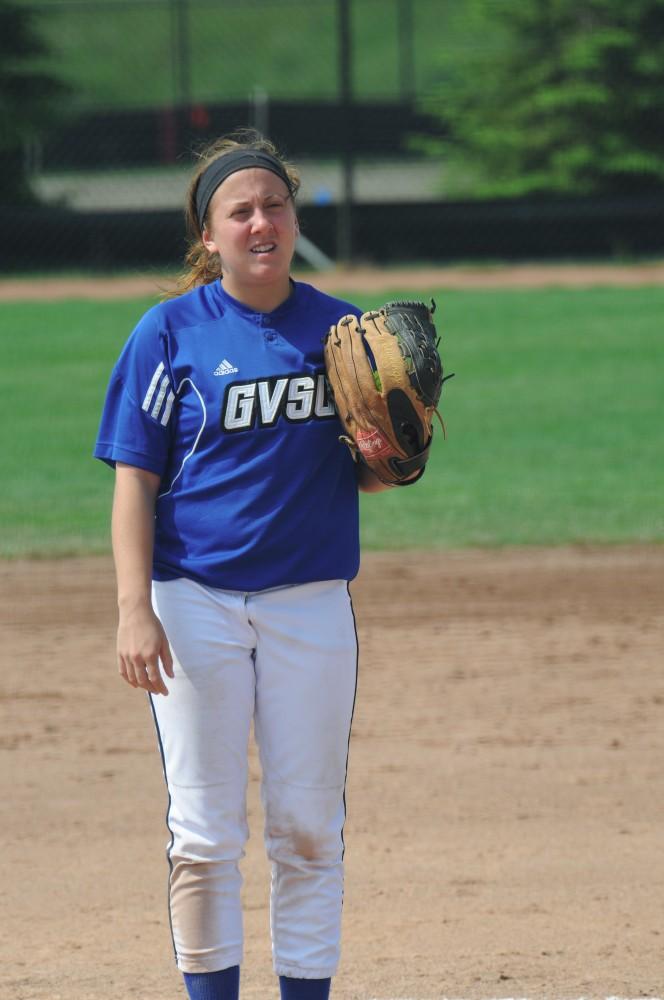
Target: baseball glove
x=386, y=378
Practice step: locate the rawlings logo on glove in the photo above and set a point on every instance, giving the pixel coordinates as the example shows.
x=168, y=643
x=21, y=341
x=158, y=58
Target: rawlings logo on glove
x=386, y=377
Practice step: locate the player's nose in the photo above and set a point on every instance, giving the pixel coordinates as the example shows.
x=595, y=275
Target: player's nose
x=260, y=221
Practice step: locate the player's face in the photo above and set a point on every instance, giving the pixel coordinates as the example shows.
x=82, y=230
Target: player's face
x=253, y=226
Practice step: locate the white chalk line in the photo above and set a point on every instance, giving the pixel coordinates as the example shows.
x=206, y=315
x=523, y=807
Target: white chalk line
x=516, y=998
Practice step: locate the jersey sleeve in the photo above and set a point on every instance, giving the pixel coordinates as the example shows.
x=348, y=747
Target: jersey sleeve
x=137, y=416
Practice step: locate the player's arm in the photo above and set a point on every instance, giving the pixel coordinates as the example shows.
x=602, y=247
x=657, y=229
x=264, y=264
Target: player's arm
x=141, y=642
x=367, y=482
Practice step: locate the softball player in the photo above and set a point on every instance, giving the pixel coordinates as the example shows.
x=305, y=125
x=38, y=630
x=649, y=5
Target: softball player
x=235, y=533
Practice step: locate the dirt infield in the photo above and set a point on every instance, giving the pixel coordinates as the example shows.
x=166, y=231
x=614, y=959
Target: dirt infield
x=504, y=835
x=361, y=279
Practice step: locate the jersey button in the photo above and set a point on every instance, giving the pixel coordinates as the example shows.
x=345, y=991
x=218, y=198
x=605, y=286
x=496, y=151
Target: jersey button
x=270, y=335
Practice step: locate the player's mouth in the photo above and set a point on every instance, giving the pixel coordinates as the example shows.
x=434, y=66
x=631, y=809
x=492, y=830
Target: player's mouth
x=264, y=248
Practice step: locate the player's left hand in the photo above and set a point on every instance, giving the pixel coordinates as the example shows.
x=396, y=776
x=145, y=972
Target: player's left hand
x=386, y=378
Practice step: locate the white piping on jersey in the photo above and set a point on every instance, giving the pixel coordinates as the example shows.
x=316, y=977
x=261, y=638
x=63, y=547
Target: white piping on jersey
x=170, y=399
x=198, y=436
x=163, y=388
x=153, y=385
x=160, y=396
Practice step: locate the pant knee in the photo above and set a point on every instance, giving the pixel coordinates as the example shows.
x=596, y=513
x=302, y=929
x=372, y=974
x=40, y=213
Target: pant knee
x=305, y=825
x=220, y=837
x=309, y=843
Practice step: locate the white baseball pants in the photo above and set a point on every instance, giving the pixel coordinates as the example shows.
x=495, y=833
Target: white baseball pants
x=288, y=659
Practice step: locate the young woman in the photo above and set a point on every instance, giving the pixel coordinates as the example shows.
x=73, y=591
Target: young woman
x=235, y=533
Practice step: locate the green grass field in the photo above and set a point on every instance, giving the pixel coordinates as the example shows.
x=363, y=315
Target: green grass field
x=554, y=420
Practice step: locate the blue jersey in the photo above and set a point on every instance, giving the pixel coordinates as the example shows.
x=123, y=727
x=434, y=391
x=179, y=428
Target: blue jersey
x=229, y=407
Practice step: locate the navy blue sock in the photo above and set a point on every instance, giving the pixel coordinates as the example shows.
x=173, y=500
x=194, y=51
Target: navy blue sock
x=224, y=985
x=304, y=989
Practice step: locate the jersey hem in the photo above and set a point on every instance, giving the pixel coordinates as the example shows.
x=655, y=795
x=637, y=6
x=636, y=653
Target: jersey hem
x=165, y=576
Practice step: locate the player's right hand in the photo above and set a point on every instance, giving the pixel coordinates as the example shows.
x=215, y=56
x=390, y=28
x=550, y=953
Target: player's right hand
x=141, y=646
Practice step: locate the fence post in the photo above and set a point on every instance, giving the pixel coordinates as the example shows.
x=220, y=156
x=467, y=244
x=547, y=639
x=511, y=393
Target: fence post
x=260, y=110
x=345, y=206
x=405, y=42
x=181, y=51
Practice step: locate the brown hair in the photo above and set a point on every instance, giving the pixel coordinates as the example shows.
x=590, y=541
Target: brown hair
x=201, y=266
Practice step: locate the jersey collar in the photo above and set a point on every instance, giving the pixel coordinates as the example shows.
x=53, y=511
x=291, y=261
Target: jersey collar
x=228, y=302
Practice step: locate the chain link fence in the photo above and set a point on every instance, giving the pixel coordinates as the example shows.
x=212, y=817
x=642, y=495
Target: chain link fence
x=150, y=80
x=337, y=84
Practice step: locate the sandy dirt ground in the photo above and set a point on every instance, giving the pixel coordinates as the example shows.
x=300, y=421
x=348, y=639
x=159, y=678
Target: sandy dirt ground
x=505, y=823
x=361, y=279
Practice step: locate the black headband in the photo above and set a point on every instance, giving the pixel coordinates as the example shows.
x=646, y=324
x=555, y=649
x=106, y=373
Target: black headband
x=230, y=163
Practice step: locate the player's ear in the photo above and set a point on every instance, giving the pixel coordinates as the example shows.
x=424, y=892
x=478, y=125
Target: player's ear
x=208, y=242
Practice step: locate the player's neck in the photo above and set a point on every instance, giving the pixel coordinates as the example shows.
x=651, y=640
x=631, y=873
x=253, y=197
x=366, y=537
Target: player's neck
x=262, y=298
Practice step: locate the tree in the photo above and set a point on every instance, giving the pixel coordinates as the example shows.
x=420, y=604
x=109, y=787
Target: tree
x=564, y=96
x=29, y=98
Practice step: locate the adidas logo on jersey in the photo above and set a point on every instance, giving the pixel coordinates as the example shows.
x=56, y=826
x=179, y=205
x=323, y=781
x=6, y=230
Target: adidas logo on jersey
x=225, y=368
